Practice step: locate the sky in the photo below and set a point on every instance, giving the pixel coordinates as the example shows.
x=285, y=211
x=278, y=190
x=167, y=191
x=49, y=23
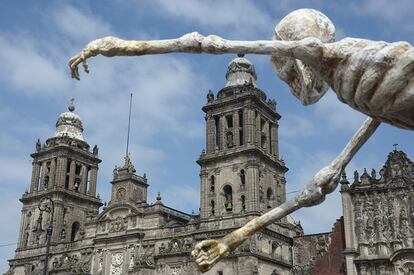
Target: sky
x=37, y=38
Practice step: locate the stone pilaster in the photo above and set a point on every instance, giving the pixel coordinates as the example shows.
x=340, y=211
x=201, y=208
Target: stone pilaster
x=84, y=179
x=274, y=139
x=43, y=175
x=258, y=130
x=350, y=240
x=72, y=175
x=248, y=116
x=222, y=127
x=252, y=180
x=92, y=181
x=58, y=222
x=267, y=134
x=210, y=134
x=236, y=130
x=35, y=177
x=60, y=177
x=52, y=173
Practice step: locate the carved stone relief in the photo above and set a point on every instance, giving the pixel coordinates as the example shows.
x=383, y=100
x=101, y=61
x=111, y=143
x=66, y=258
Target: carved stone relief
x=116, y=264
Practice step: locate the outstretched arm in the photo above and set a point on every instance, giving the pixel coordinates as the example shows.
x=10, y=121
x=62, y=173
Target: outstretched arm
x=209, y=252
x=309, y=49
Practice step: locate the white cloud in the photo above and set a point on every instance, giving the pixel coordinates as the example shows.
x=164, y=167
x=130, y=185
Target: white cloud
x=397, y=13
x=235, y=16
x=27, y=69
x=296, y=126
x=79, y=25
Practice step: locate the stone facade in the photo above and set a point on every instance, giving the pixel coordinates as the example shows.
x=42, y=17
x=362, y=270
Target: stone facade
x=379, y=218
x=241, y=178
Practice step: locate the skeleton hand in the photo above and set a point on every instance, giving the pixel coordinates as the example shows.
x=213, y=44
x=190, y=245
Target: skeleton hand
x=104, y=46
x=209, y=252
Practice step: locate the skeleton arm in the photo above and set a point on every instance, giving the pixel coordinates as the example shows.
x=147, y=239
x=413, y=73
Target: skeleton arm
x=209, y=252
x=309, y=49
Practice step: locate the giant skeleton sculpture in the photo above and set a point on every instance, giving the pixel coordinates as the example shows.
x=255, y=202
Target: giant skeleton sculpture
x=373, y=77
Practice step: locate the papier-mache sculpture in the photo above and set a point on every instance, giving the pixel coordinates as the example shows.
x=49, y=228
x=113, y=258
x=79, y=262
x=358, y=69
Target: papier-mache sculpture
x=373, y=77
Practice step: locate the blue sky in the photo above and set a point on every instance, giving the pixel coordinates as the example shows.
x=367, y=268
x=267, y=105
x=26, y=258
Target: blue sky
x=167, y=133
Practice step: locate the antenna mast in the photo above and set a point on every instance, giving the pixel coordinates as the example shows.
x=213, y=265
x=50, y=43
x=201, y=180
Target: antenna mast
x=129, y=126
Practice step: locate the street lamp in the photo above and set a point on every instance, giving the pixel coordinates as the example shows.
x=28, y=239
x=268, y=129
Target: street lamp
x=45, y=205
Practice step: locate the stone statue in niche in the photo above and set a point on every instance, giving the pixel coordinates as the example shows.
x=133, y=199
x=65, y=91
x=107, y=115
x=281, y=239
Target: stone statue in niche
x=229, y=139
x=372, y=77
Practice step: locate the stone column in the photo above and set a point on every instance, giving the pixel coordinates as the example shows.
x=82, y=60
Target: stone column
x=210, y=134
x=43, y=175
x=236, y=130
x=222, y=128
x=35, y=177
x=60, y=177
x=72, y=175
x=84, y=179
x=274, y=139
x=92, y=181
x=52, y=174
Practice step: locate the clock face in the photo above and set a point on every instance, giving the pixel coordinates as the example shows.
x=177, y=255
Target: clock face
x=120, y=193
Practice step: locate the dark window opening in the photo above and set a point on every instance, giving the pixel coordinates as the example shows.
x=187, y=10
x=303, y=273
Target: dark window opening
x=243, y=203
x=263, y=142
x=212, y=184
x=212, y=208
x=229, y=119
x=269, y=196
x=75, y=231
x=241, y=118
x=228, y=194
x=241, y=141
x=78, y=169
x=67, y=182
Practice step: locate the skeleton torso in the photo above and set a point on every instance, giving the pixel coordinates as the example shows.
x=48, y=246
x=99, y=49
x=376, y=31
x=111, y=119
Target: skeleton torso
x=373, y=77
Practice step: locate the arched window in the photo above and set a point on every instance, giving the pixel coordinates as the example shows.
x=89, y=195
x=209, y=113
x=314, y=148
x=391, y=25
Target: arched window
x=269, y=196
x=228, y=195
x=212, y=184
x=213, y=210
x=75, y=231
x=243, y=202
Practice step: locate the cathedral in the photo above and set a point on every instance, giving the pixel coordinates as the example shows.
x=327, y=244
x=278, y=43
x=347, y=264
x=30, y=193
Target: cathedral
x=65, y=226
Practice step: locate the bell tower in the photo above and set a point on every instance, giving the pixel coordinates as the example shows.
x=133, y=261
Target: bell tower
x=64, y=171
x=241, y=172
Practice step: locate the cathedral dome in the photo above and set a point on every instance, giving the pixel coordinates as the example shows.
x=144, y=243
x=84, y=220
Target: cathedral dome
x=240, y=71
x=69, y=124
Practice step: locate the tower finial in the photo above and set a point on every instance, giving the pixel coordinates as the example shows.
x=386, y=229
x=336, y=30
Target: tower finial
x=395, y=146
x=71, y=105
x=129, y=127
